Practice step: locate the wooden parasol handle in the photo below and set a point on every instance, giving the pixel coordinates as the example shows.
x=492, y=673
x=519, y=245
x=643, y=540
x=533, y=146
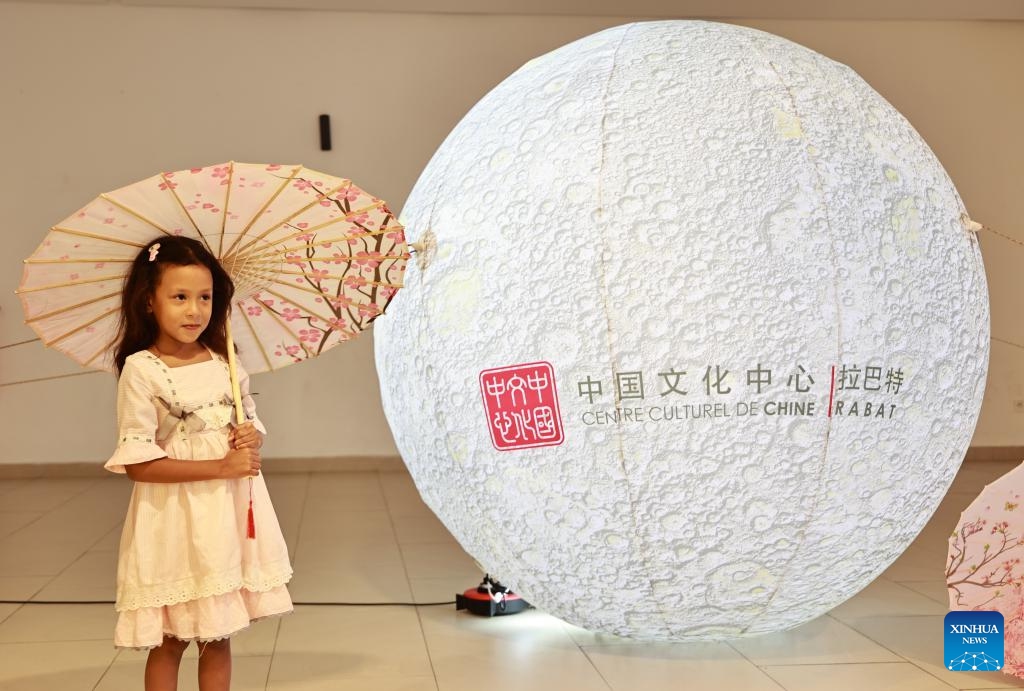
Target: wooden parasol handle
x=236, y=389
x=236, y=395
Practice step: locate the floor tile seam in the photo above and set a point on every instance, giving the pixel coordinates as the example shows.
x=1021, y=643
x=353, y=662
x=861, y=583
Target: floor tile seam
x=879, y=643
x=302, y=516
x=768, y=674
x=901, y=661
x=446, y=543
x=408, y=582
x=452, y=541
x=110, y=666
x=810, y=661
x=298, y=534
x=273, y=652
x=741, y=658
x=367, y=552
x=34, y=520
x=910, y=591
x=92, y=547
x=327, y=493
x=53, y=547
x=758, y=667
x=401, y=553
x=235, y=655
x=426, y=643
x=88, y=486
x=935, y=676
x=905, y=663
x=418, y=513
x=74, y=561
x=904, y=584
x=11, y=613
x=316, y=531
x=34, y=523
x=67, y=499
x=13, y=644
x=881, y=616
x=847, y=619
x=590, y=661
x=22, y=641
x=27, y=600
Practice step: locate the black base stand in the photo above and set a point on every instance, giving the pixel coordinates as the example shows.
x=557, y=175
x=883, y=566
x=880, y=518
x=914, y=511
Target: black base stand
x=490, y=599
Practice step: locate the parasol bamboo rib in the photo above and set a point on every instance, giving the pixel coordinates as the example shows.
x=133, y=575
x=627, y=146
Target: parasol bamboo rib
x=326, y=260
x=285, y=222
x=341, y=277
x=306, y=231
x=110, y=200
x=169, y=187
x=345, y=217
x=226, y=204
x=246, y=269
x=249, y=284
x=250, y=280
x=302, y=210
x=83, y=260
x=299, y=286
x=340, y=219
x=306, y=309
x=266, y=205
x=72, y=307
x=236, y=389
x=283, y=251
x=266, y=249
x=283, y=326
x=255, y=337
x=362, y=234
x=67, y=284
x=242, y=268
x=255, y=275
x=96, y=236
x=96, y=355
x=82, y=326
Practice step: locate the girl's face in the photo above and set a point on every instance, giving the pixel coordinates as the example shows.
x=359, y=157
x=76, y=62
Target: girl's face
x=182, y=303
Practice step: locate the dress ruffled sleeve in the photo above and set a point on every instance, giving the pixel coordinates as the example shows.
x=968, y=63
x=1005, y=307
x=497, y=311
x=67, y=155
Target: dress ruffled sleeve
x=136, y=420
x=248, y=405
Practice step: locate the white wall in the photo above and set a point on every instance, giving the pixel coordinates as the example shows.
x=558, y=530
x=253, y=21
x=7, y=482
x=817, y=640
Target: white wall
x=97, y=96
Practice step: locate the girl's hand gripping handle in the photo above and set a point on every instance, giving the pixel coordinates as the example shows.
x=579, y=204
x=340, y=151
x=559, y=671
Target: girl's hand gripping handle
x=245, y=436
x=241, y=463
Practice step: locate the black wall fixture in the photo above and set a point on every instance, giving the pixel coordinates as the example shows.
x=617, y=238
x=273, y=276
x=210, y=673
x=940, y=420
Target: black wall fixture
x=325, y=132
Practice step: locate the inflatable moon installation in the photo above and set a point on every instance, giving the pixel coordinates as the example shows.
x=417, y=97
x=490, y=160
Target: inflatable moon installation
x=699, y=338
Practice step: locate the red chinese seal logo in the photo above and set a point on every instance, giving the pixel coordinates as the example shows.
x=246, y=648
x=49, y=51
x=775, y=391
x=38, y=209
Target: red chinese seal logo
x=521, y=404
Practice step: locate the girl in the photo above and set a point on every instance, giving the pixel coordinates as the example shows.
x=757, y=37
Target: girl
x=186, y=570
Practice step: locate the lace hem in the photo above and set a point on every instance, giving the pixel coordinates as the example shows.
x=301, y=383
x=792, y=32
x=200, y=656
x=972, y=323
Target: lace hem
x=172, y=596
x=200, y=639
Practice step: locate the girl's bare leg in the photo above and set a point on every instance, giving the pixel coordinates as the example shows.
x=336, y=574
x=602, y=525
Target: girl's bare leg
x=215, y=665
x=162, y=665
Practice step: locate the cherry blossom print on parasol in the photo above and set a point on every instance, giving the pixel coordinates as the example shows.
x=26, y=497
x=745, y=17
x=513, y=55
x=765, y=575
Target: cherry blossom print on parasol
x=315, y=259
x=984, y=570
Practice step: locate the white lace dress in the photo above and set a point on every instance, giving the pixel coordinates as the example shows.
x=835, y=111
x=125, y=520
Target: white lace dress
x=186, y=568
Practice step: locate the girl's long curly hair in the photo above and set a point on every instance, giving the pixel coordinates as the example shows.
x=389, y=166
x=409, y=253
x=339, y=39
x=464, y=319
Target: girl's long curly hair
x=137, y=328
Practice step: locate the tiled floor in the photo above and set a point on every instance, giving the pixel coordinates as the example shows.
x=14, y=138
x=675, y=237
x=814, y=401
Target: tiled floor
x=367, y=537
